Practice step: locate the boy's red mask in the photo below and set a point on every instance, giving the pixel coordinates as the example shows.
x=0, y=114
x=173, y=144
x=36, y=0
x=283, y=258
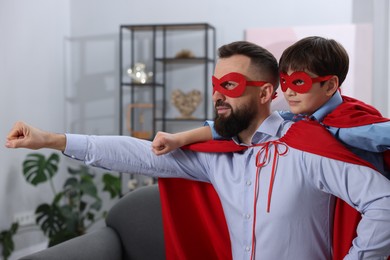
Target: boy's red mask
x=237, y=79
x=299, y=81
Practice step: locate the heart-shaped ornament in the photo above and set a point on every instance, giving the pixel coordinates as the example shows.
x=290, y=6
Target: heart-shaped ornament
x=186, y=103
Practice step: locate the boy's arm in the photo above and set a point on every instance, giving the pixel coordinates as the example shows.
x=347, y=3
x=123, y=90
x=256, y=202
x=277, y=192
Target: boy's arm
x=166, y=142
x=372, y=138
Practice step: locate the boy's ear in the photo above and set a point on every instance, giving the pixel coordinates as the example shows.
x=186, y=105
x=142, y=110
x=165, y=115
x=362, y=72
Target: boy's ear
x=332, y=85
x=266, y=92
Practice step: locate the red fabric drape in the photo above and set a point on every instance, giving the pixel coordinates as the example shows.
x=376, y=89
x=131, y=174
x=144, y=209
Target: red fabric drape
x=194, y=222
x=353, y=112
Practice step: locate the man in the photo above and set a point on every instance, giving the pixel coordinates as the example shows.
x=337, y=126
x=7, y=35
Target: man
x=278, y=200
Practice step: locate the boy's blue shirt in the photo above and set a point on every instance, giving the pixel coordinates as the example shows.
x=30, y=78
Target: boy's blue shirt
x=368, y=141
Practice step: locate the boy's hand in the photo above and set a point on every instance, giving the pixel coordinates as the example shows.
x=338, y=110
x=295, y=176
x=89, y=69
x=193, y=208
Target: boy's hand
x=25, y=136
x=164, y=143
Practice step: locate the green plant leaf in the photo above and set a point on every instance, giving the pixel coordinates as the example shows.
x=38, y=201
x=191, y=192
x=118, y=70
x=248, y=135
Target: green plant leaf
x=76, y=207
x=57, y=198
x=83, y=181
x=82, y=170
x=112, y=184
x=82, y=205
x=88, y=187
x=61, y=236
x=71, y=182
x=73, y=220
x=97, y=205
x=91, y=216
x=6, y=240
x=37, y=169
x=50, y=219
x=14, y=228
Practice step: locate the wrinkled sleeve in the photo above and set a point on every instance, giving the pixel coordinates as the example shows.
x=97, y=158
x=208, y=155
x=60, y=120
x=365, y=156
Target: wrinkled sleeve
x=373, y=138
x=132, y=155
x=214, y=133
x=368, y=192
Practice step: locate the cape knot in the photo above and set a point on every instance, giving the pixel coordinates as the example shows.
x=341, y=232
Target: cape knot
x=263, y=157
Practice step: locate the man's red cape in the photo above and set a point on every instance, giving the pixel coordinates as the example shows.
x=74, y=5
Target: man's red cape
x=193, y=218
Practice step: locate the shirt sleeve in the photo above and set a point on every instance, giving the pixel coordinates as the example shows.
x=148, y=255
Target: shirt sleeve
x=132, y=155
x=373, y=138
x=368, y=192
x=214, y=133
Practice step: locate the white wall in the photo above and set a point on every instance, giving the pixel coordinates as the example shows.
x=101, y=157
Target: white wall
x=31, y=79
x=59, y=62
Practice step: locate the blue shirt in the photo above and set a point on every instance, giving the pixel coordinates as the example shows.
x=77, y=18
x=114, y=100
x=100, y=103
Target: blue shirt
x=295, y=221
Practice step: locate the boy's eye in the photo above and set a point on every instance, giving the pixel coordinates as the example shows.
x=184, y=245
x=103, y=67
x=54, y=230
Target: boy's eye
x=298, y=82
x=229, y=85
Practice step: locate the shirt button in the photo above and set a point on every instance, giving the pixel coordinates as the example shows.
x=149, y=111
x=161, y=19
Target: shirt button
x=248, y=183
x=247, y=216
x=247, y=248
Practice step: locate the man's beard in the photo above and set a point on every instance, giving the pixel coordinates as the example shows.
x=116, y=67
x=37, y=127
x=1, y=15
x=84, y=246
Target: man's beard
x=237, y=121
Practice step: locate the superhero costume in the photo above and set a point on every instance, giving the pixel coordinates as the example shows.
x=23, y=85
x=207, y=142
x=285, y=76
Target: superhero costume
x=214, y=244
x=127, y=154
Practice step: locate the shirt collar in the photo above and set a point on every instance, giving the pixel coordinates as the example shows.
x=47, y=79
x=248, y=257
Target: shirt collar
x=328, y=107
x=269, y=128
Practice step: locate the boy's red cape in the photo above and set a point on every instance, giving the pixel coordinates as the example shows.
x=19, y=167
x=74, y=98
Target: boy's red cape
x=193, y=218
x=353, y=113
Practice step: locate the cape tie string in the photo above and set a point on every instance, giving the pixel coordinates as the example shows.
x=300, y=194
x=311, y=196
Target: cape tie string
x=262, y=159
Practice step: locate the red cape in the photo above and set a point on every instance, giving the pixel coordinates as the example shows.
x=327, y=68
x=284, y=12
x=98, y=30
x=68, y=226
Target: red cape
x=194, y=222
x=352, y=113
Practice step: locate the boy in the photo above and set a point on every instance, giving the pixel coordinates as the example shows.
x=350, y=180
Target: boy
x=311, y=72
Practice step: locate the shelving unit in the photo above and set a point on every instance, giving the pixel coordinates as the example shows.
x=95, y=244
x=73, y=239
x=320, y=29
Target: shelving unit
x=159, y=48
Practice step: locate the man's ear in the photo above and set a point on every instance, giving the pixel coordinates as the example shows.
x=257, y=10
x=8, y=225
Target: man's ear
x=266, y=92
x=332, y=85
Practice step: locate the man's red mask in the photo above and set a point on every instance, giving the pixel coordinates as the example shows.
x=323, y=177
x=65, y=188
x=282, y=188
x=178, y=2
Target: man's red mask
x=233, y=84
x=299, y=81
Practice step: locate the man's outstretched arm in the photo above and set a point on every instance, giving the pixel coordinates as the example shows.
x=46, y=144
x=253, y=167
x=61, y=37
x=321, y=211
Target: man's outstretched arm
x=23, y=135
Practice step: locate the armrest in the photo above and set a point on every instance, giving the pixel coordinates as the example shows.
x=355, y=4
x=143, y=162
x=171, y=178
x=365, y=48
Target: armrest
x=102, y=244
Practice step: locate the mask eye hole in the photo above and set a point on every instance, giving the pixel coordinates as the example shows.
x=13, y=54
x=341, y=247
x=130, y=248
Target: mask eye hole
x=229, y=85
x=298, y=82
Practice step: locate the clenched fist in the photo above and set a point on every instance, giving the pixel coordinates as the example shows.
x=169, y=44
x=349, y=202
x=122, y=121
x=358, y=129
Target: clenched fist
x=23, y=135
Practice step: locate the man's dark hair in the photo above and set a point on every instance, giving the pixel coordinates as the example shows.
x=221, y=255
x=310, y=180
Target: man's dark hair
x=265, y=63
x=318, y=55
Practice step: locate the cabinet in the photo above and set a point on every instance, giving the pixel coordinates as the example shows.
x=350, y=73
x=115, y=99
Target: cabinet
x=165, y=72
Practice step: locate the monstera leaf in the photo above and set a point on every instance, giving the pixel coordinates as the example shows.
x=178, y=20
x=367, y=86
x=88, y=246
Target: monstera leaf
x=112, y=184
x=82, y=181
x=78, y=204
x=37, y=169
x=50, y=218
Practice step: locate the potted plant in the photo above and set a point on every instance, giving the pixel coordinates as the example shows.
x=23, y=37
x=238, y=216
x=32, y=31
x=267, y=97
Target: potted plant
x=77, y=205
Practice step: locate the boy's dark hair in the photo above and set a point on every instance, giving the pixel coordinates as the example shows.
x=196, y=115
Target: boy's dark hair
x=265, y=63
x=318, y=55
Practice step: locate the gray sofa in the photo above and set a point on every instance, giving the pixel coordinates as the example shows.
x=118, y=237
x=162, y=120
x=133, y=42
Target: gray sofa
x=133, y=231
